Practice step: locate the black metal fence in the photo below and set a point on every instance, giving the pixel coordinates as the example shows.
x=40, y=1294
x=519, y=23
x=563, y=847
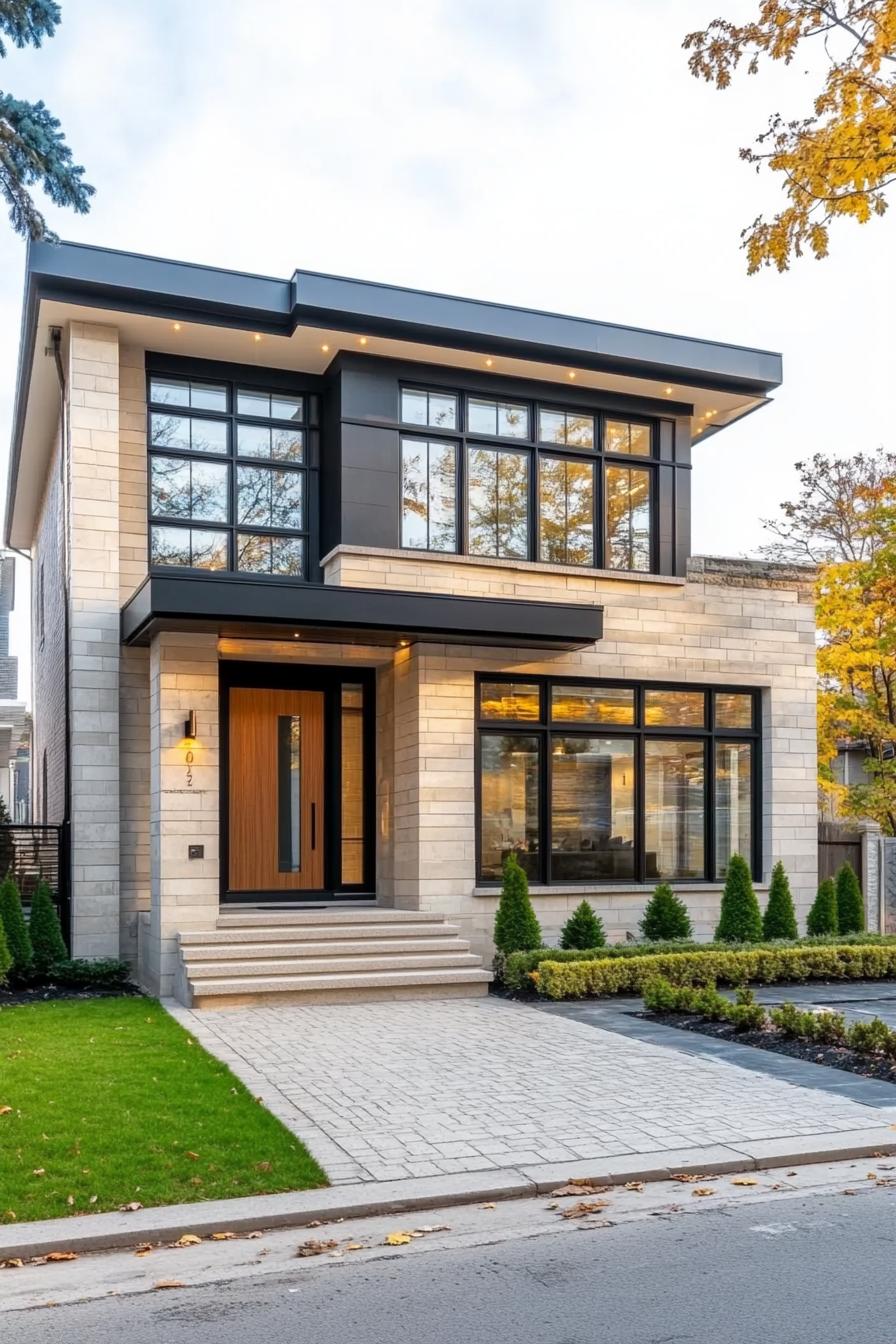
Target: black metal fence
x=32, y=853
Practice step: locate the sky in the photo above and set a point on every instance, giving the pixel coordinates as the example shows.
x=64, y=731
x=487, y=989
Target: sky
x=555, y=154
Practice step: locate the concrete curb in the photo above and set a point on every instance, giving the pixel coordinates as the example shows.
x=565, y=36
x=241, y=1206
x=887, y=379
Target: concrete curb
x=106, y=1231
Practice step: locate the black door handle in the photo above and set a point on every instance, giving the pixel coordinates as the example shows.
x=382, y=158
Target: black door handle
x=314, y=825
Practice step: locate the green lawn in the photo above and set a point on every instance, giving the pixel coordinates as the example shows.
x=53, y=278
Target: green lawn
x=113, y=1102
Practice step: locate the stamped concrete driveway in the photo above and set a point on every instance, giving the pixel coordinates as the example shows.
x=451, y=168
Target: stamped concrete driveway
x=382, y=1091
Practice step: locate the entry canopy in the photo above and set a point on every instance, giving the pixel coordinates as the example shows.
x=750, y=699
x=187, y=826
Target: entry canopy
x=244, y=608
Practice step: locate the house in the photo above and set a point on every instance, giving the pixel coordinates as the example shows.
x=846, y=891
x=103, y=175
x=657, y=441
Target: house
x=343, y=592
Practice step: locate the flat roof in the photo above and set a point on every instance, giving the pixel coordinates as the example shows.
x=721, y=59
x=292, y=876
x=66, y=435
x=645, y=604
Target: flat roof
x=82, y=276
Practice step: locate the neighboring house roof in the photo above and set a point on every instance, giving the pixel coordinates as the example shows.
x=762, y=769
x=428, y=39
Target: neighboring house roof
x=72, y=280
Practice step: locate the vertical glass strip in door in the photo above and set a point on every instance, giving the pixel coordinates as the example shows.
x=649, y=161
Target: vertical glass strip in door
x=289, y=793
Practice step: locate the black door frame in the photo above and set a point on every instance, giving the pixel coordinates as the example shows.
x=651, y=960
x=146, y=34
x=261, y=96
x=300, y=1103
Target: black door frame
x=329, y=680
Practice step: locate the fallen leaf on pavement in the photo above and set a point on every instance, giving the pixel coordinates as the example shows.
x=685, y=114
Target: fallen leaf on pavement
x=169, y=1283
x=578, y=1188
x=702, y=1190
x=637, y=1186
x=597, y=1222
x=315, y=1248
x=397, y=1239
x=223, y=1236
x=188, y=1239
x=356, y=1246
x=144, y=1248
x=792, y=1173
x=53, y=1256
x=745, y=1180
x=848, y=1192
x=584, y=1207
x=130, y=1208
x=486, y=1206
x=250, y=1236
x=685, y=1178
x=434, y=1227
x=14, y=1263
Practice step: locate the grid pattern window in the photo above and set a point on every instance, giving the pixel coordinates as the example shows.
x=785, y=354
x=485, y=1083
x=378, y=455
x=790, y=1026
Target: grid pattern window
x=228, y=477
x=594, y=782
x=574, y=487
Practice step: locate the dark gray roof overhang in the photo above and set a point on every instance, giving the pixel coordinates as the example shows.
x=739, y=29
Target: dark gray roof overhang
x=247, y=608
x=124, y=281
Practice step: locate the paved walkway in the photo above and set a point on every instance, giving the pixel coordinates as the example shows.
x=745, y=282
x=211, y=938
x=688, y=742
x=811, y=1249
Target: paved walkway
x=385, y=1091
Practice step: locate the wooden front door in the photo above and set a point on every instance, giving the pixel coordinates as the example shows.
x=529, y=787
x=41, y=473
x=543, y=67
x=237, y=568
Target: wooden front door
x=276, y=780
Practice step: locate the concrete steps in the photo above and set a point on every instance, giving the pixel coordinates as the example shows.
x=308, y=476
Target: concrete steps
x=326, y=956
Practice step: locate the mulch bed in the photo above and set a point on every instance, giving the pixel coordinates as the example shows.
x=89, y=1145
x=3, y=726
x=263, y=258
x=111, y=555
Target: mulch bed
x=833, y=1056
x=14, y=998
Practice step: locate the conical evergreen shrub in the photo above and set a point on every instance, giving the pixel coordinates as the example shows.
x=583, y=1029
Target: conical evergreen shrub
x=739, y=918
x=583, y=929
x=666, y=917
x=12, y=918
x=516, y=928
x=47, y=942
x=5, y=956
x=779, y=920
x=822, y=917
x=850, y=902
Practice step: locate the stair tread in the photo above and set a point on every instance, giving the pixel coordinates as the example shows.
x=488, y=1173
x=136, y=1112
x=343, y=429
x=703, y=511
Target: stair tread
x=372, y=979
x=363, y=948
x=329, y=966
x=315, y=933
x=377, y=914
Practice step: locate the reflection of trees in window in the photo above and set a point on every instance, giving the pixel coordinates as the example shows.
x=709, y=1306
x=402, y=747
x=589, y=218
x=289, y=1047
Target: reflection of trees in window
x=510, y=797
x=498, y=503
x=269, y=498
x=566, y=511
x=428, y=495
x=185, y=488
x=576, y=431
x=627, y=513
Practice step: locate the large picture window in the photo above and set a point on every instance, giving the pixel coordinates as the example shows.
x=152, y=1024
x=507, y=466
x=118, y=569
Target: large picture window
x=591, y=781
x=228, y=477
x=573, y=488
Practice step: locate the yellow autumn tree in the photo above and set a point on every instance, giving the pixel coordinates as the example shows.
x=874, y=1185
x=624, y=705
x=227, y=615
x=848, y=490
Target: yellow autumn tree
x=857, y=662
x=839, y=160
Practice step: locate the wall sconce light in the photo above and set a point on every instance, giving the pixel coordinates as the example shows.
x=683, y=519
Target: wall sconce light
x=190, y=725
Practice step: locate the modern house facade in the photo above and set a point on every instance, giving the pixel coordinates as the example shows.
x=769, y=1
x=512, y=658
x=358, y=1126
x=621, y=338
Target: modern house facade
x=342, y=592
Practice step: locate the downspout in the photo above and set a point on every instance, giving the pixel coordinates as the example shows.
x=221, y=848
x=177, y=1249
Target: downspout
x=56, y=339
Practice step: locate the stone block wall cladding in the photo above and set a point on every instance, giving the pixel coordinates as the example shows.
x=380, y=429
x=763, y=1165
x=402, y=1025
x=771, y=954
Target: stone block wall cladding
x=93, y=397
x=134, y=812
x=737, y=622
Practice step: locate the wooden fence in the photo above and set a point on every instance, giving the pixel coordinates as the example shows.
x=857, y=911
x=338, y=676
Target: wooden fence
x=837, y=844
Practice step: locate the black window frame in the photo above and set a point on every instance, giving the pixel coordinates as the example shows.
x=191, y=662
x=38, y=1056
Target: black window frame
x=234, y=379
x=536, y=450
x=426, y=440
x=546, y=729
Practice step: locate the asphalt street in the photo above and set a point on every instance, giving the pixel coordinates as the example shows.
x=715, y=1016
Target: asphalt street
x=795, y=1268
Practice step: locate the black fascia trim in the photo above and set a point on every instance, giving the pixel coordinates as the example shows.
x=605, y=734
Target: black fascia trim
x=436, y=617
x=132, y=282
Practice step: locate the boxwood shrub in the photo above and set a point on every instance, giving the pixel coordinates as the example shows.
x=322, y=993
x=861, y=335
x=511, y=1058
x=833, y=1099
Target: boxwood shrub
x=628, y=975
x=515, y=971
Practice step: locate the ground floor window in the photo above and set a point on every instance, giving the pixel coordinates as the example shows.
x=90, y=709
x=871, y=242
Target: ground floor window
x=613, y=781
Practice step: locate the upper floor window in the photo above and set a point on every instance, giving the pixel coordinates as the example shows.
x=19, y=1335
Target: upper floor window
x=228, y=477
x=498, y=419
x=564, y=493
x=438, y=409
x=428, y=494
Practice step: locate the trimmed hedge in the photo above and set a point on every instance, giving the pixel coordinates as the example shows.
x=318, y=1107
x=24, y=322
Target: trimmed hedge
x=515, y=971
x=629, y=975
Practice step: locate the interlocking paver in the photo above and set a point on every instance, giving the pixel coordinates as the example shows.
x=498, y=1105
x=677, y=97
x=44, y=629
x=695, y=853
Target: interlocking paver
x=383, y=1091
